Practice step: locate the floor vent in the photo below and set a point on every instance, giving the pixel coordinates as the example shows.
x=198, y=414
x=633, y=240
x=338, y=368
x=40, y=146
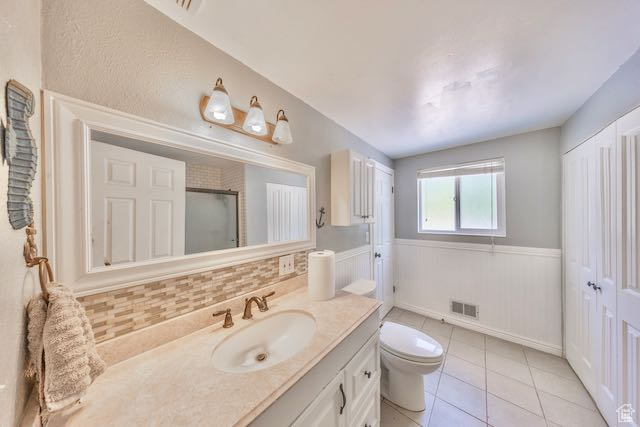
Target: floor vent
x=464, y=309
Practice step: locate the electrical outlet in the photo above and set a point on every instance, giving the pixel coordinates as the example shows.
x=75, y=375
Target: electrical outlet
x=286, y=265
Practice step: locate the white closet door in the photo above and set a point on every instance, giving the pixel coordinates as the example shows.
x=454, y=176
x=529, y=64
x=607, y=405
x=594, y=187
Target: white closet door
x=606, y=258
x=571, y=245
x=138, y=205
x=628, y=294
x=585, y=212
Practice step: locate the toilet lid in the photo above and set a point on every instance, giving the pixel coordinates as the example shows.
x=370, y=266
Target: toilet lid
x=361, y=287
x=408, y=343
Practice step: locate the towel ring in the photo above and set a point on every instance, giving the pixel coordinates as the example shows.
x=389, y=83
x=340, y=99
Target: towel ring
x=31, y=258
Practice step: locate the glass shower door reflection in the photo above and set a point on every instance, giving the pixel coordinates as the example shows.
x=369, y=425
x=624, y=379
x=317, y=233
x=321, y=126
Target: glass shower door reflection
x=211, y=220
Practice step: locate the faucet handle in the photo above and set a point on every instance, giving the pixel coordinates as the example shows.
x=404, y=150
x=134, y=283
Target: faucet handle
x=228, y=320
x=265, y=306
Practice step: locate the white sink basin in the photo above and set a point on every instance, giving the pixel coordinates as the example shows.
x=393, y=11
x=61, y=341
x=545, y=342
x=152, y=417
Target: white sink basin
x=265, y=343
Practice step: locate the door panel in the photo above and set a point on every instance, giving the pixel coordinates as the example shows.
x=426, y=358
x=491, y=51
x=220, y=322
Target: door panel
x=581, y=316
x=628, y=288
x=138, y=205
x=383, y=236
x=606, y=255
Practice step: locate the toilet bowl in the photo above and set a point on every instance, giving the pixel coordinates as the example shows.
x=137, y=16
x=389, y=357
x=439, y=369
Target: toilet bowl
x=407, y=354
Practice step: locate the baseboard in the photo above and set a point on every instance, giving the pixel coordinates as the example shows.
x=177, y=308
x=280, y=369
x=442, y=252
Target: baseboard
x=474, y=326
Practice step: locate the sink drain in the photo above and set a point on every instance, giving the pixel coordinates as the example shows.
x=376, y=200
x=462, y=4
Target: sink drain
x=261, y=357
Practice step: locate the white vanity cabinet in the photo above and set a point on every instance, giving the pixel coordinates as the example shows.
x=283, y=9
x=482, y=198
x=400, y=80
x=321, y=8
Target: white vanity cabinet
x=352, y=188
x=352, y=398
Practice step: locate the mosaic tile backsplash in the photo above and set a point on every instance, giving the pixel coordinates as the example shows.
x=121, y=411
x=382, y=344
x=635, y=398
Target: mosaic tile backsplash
x=124, y=310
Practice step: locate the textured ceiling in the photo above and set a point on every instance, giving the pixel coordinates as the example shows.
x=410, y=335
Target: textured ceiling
x=420, y=75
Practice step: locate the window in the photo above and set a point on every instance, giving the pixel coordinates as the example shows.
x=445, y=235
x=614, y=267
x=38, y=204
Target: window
x=462, y=199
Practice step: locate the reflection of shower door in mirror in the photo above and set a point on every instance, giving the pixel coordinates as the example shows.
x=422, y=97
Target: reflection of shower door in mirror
x=137, y=208
x=211, y=220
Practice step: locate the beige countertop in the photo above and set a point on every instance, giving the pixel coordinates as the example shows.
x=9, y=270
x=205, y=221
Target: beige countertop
x=177, y=384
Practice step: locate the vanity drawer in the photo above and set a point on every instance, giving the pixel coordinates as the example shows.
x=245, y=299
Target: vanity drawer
x=369, y=415
x=362, y=376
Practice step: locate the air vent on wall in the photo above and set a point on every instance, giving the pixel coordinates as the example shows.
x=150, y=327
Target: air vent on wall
x=464, y=309
x=190, y=6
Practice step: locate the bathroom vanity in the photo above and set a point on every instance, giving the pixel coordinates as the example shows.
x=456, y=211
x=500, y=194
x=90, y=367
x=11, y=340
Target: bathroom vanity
x=333, y=380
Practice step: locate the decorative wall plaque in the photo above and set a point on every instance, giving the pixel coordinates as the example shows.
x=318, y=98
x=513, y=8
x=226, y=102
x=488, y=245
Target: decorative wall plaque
x=21, y=154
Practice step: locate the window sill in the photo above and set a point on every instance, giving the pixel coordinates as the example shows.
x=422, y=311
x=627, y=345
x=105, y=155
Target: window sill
x=458, y=233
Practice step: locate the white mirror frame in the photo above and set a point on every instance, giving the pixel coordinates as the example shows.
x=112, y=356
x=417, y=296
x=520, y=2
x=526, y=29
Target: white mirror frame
x=67, y=131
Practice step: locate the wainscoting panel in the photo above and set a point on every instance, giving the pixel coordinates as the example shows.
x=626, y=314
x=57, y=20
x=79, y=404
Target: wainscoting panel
x=517, y=289
x=352, y=265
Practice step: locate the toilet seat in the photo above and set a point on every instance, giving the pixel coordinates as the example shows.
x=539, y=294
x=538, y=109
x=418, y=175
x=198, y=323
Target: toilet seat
x=410, y=344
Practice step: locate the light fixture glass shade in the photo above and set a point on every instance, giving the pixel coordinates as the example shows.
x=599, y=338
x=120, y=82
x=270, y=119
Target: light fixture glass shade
x=282, y=133
x=254, y=123
x=219, y=105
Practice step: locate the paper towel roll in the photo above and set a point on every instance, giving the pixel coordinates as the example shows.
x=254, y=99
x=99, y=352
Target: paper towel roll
x=321, y=275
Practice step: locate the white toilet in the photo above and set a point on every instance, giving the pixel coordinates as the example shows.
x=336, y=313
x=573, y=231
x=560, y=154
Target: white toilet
x=406, y=355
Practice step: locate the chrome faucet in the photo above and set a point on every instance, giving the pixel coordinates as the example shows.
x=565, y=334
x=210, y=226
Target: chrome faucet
x=260, y=302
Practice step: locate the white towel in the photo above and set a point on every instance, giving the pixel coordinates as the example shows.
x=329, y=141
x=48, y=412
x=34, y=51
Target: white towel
x=62, y=352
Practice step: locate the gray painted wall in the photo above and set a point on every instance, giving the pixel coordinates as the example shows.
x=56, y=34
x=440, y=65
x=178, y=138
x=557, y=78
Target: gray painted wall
x=128, y=56
x=532, y=181
x=20, y=50
x=617, y=96
x=255, y=185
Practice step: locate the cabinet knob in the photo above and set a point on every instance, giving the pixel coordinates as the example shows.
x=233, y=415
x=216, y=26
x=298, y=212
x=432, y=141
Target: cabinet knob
x=377, y=255
x=590, y=284
x=367, y=374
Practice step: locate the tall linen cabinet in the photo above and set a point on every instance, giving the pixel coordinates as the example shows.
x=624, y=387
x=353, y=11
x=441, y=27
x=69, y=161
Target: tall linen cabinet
x=601, y=254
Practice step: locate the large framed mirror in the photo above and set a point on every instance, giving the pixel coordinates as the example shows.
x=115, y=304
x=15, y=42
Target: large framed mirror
x=137, y=201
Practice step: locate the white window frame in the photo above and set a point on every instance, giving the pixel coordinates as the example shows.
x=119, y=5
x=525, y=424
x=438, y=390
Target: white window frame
x=501, y=231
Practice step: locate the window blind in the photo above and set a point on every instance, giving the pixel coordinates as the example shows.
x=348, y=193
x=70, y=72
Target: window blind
x=475, y=168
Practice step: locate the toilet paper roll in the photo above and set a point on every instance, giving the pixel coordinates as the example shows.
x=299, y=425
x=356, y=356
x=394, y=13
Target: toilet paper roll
x=321, y=275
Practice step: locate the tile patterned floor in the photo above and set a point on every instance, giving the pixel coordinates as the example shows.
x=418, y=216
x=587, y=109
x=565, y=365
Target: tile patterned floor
x=486, y=381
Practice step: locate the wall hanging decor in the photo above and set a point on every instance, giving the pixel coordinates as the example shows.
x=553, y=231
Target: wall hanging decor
x=20, y=153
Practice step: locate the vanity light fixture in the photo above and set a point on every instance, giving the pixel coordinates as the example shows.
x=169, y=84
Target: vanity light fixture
x=254, y=123
x=282, y=134
x=219, y=108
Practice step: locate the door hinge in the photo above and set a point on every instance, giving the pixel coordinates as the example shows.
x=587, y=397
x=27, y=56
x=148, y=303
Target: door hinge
x=394, y=289
x=392, y=189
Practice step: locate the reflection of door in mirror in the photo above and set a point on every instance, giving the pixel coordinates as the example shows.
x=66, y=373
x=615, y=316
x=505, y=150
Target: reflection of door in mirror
x=211, y=220
x=138, y=205
x=286, y=212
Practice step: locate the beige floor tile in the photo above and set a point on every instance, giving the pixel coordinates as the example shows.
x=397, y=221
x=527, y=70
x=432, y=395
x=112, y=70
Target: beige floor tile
x=446, y=415
x=509, y=368
x=506, y=349
x=411, y=319
x=501, y=413
x=462, y=395
x=567, y=414
x=431, y=381
x=465, y=371
x=394, y=314
x=434, y=326
x=422, y=417
x=513, y=391
x=466, y=352
x=572, y=391
x=473, y=338
x=550, y=363
x=389, y=417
